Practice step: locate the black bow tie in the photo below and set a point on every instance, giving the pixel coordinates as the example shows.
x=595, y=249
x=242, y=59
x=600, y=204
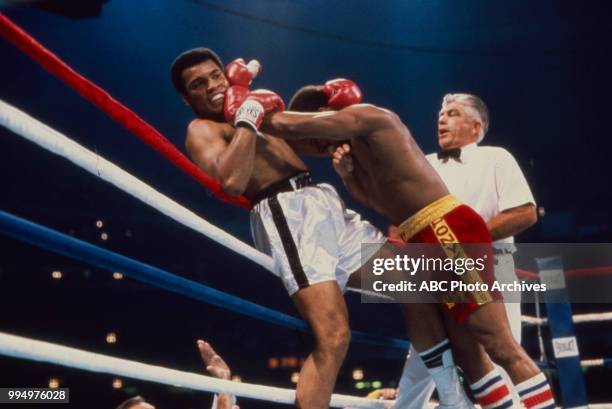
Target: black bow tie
x=450, y=153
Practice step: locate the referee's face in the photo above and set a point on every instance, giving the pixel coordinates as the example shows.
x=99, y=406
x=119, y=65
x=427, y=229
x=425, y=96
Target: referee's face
x=456, y=128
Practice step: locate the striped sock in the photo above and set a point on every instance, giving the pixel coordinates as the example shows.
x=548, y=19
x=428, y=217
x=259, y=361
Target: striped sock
x=439, y=362
x=432, y=357
x=535, y=393
x=491, y=392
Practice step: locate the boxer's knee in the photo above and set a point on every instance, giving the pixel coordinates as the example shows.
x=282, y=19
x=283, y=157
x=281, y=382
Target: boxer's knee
x=334, y=339
x=502, y=349
x=490, y=328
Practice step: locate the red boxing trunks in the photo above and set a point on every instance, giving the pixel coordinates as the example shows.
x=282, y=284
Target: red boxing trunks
x=448, y=222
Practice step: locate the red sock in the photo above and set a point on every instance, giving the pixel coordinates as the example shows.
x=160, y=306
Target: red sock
x=492, y=392
x=535, y=393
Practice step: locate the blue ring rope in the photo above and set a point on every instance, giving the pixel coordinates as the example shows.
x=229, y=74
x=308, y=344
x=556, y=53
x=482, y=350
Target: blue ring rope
x=57, y=242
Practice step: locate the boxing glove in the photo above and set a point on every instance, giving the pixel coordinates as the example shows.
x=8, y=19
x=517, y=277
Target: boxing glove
x=234, y=97
x=341, y=93
x=253, y=108
x=239, y=73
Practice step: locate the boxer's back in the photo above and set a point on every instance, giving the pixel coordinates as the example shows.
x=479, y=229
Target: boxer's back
x=393, y=170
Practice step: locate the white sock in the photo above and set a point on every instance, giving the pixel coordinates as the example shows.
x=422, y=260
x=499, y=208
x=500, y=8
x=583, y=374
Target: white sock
x=492, y=392
x=439, y=362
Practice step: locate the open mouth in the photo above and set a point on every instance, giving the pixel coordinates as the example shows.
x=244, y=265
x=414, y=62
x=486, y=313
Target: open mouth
x=217, y=98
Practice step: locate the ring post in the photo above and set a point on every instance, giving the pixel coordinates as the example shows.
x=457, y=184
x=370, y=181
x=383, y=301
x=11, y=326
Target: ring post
x=565, y=346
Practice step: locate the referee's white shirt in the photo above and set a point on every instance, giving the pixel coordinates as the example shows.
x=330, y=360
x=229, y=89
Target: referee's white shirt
x=486, y=178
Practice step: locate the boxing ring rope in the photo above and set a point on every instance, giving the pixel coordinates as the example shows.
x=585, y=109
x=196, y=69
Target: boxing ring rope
x=158, y=142
x=146, y=132
x=46, y=137
x=575, y=273
x=52, y=140
x=584, y=363
x=34, y=350
x=57, y=242
x=596, y=362
x=132, y=122
x=530, y=275
x=577, y=318
x=110, y=106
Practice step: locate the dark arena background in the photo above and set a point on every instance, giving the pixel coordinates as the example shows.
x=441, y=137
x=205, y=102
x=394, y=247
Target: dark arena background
x=543, y=67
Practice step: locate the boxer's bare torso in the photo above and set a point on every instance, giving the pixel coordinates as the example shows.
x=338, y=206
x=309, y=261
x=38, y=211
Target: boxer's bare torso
x=390, y=167
x=274, y=159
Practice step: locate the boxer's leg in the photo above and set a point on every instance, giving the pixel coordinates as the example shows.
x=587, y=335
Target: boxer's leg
x=487, y=384
x=322, y=305
x=426, y=332
x=415, y=386
x=489, y=325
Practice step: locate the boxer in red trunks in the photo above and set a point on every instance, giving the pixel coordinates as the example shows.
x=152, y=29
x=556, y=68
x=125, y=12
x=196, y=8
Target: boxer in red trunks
x=383, y=167
x=449, y=222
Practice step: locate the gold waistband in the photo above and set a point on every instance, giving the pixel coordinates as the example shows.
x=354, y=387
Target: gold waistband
x=426, y=215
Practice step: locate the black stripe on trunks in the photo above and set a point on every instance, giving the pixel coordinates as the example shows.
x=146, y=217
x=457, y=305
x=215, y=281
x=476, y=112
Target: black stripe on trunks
x=291, y=250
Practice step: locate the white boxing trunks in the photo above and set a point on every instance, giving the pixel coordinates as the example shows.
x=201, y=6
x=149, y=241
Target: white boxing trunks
x=310, y=234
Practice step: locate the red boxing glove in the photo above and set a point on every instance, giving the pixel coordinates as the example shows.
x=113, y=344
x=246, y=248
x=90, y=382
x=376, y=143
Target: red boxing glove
x=256, y=105
x=239, y=73
x=234, y=97
x=342, y=93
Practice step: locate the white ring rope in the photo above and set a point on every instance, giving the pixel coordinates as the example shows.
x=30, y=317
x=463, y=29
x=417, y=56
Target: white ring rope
x=577, y=318
x=587, y=363
x=35, y=131
x=34, y=350
x=46, y=137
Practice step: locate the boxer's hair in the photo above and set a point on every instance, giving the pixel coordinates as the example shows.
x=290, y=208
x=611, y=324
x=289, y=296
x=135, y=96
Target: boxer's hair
x=309, y=98
x=127, y=404
x=475, y=108
x=188, y=59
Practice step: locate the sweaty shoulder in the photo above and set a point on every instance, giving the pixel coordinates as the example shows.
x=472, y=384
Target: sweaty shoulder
x=373, y=121
x=200, y=131
x=373, y=111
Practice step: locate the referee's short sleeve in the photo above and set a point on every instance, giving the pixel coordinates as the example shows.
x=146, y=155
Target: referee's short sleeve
x=432, y=158
x=512, y=187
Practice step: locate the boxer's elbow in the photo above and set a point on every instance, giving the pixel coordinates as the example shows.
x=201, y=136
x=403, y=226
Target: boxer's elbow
x=233, y=186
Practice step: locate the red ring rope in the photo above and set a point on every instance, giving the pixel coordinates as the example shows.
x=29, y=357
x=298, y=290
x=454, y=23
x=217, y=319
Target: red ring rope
x=113, y=108
x=145, y=132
